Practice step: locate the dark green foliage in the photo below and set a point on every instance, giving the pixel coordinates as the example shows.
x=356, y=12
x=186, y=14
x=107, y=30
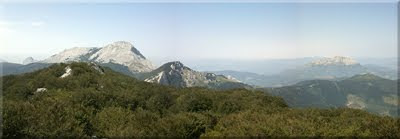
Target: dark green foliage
x=306, y=122
x=373, y=93
x=195, y=102
x=107, y=104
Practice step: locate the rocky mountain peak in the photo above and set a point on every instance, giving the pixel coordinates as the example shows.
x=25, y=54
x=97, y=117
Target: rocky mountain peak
x=175, y=65
x=29, y=60
x=176, y=74
x=124, y=46
x=121, y=53
x=337, y=60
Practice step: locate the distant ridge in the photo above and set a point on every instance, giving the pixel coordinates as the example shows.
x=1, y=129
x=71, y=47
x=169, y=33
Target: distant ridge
x=326, y=68
x=337, y=60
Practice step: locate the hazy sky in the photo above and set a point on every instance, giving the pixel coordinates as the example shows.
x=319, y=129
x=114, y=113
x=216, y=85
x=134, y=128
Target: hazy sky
x=202, y=30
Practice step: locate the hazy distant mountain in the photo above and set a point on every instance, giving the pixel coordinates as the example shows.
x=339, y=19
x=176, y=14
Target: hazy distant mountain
x=391, y=63
x=28, y=60
x=336, y=68
x=385, y=72
x=337, y=60
x=178, y=75
x=324, y=68
x=263, y=66
x=328, y=68
x=274, y=66
x=245, y=77
x=8, y=68
x=241, y=76
x=367, y=91
x=13, y=68
x=120, y=53
x=1, y=60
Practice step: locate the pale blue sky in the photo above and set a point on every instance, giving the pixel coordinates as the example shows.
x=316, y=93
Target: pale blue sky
x=180, y=31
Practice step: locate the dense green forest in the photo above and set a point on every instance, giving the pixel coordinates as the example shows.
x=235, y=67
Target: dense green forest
x=96, y=101
x=367, y=91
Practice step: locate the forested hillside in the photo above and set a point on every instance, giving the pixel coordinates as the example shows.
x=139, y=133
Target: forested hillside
x=368, y=92
x=85, y=100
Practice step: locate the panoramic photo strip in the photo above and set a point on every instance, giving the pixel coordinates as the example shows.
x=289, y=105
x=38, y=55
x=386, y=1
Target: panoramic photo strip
x=199, y=69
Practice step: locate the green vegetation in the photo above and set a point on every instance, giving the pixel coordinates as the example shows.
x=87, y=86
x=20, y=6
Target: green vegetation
x=92, y=103
x=368, y=92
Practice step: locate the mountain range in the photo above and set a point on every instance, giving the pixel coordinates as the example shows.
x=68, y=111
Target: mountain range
x=321, y=82
x=123, y=57
x=260, y=66
x=334, y=68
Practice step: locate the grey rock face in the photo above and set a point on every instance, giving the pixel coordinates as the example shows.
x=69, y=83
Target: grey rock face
x=121, y=52
x=29, y=60
x=178, y=75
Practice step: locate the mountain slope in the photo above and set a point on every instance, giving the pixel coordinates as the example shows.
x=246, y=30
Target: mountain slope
x=367, y=91
x=384, y=72
x=84, y=100
x=178, y=75
x=120, y=56
x=72, y=54
x=8, y=68
x=239, y=75
x=121, y=53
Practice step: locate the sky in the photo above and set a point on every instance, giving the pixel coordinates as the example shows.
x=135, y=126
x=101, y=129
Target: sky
x=181, y=31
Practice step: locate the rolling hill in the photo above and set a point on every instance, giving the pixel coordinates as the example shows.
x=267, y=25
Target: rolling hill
x=368, y=92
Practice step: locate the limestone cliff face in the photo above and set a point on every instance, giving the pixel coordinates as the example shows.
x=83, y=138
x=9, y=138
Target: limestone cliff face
x=121, y=52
